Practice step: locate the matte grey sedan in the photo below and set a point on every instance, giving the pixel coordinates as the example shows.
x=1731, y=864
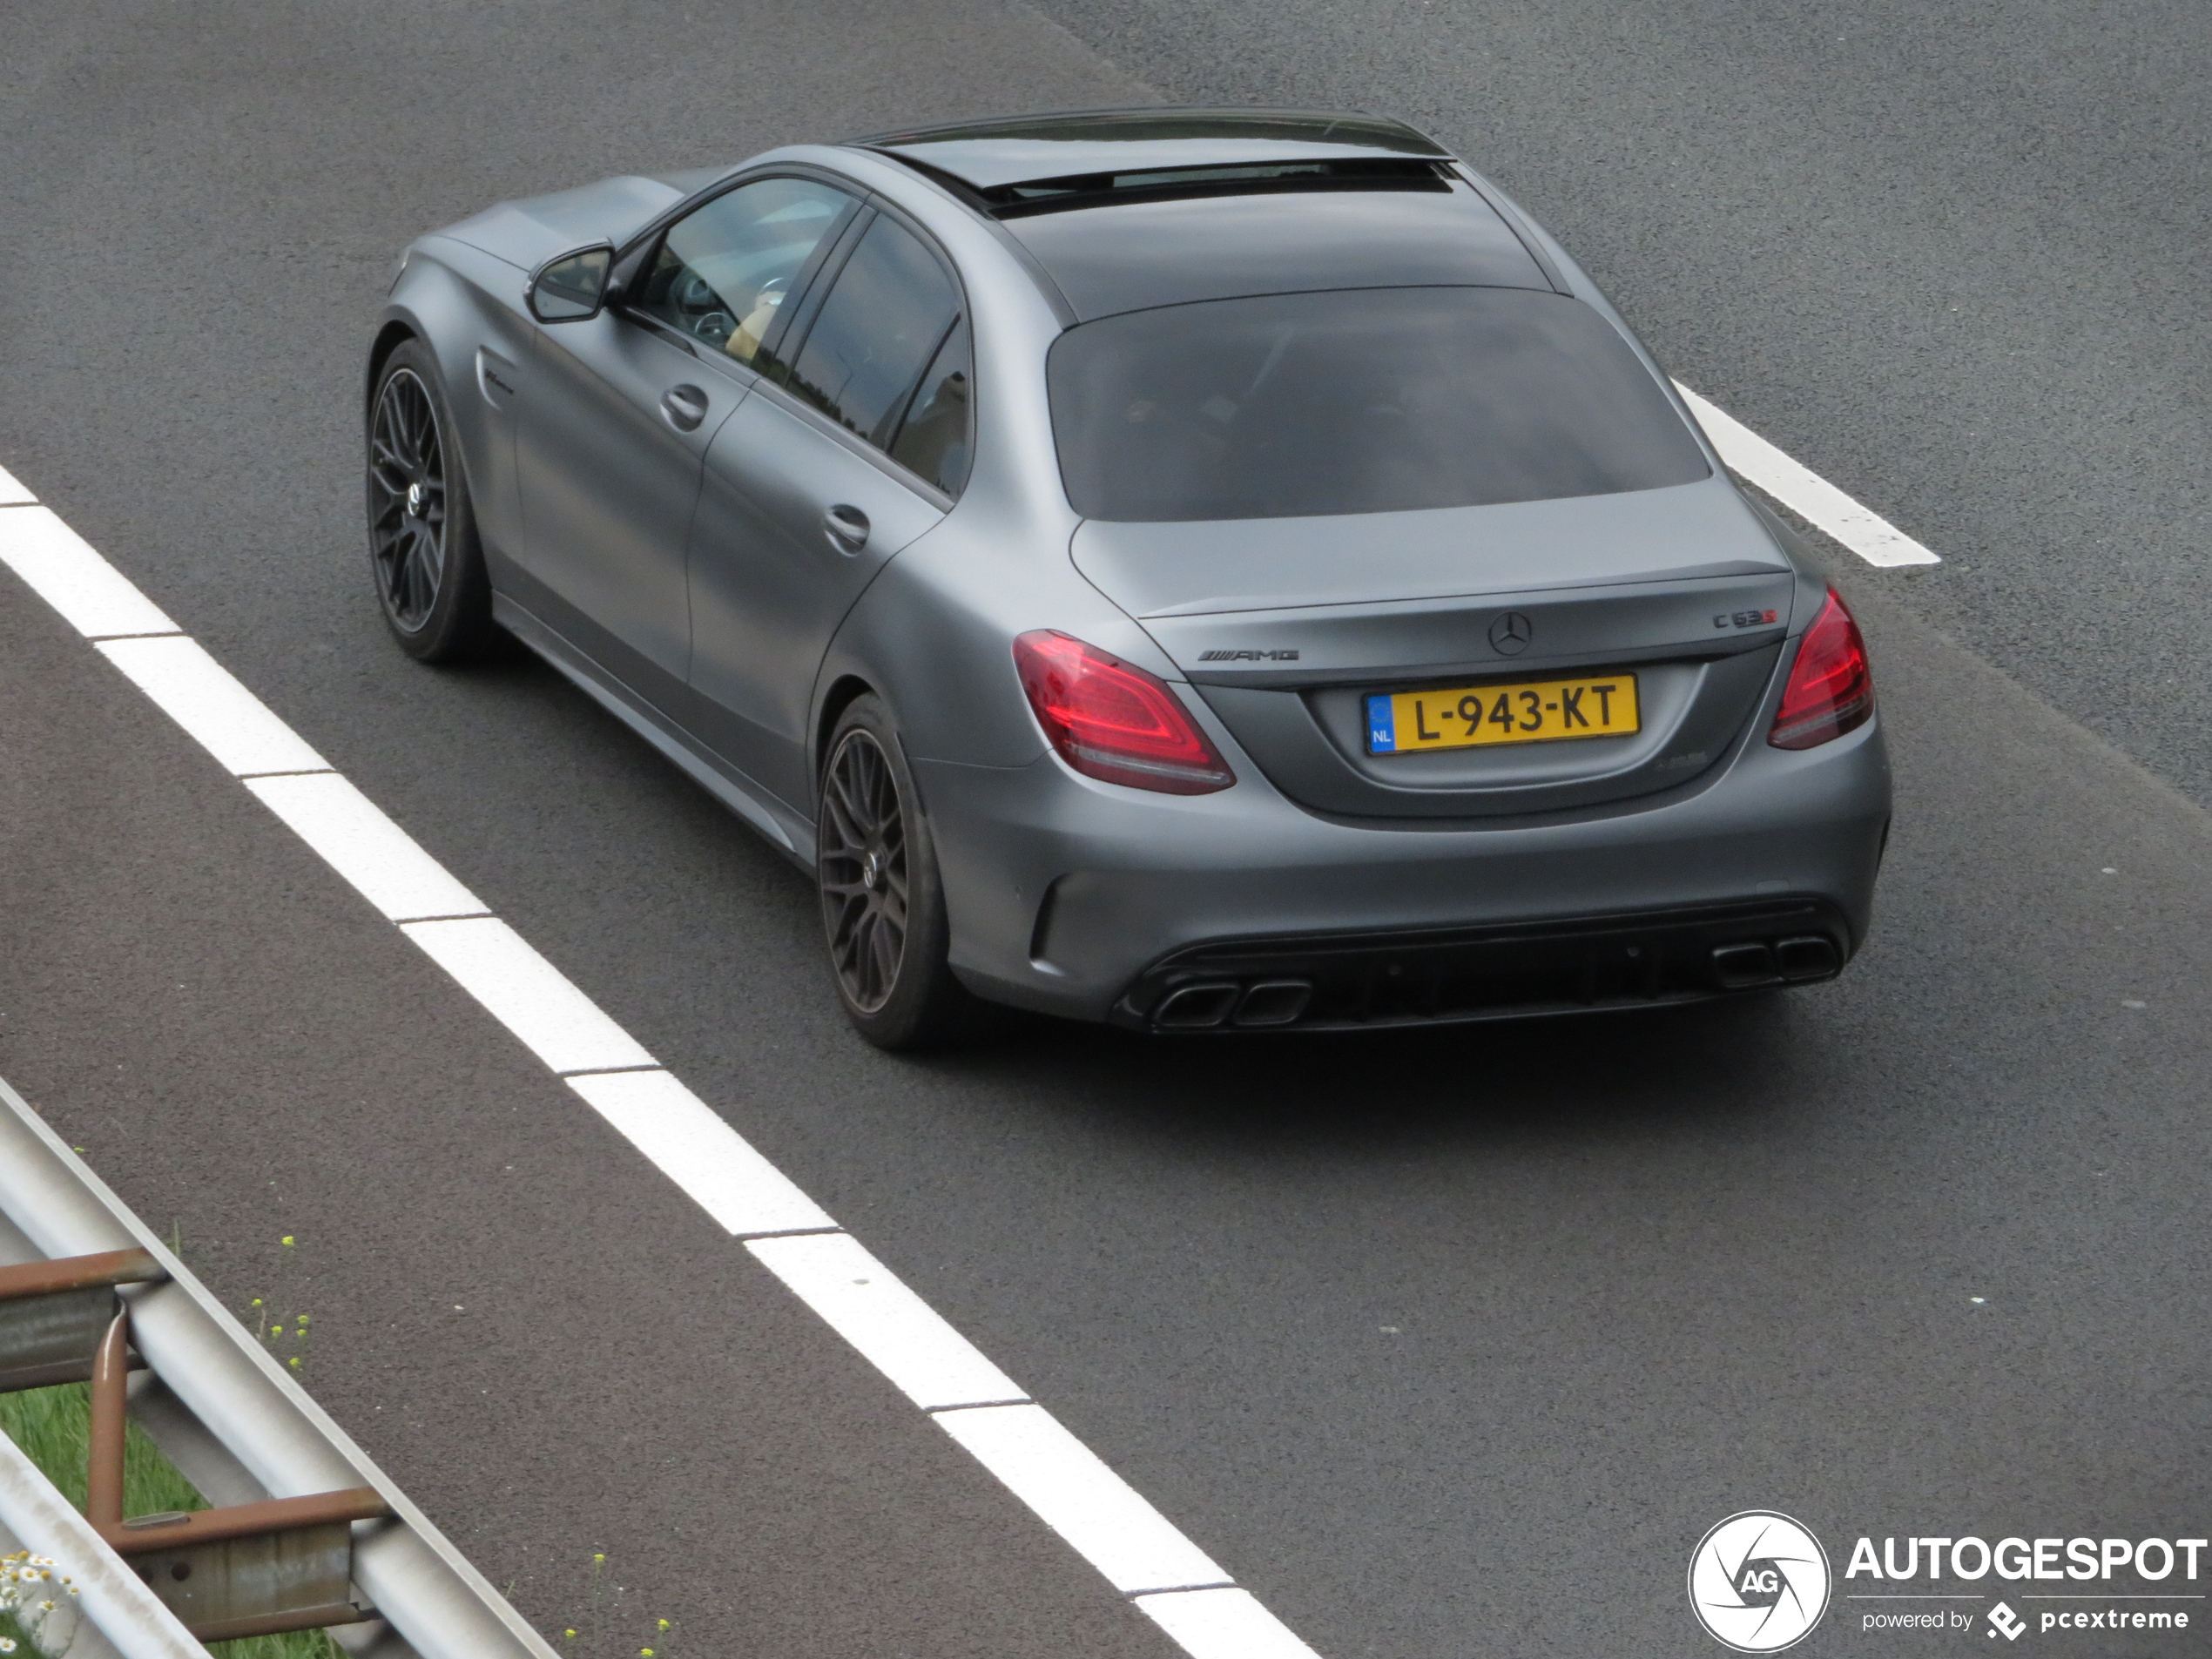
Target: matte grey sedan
x=1206, y=571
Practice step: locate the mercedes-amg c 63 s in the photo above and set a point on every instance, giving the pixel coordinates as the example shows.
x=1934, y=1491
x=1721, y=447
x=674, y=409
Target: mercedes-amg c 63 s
x=1206, y=571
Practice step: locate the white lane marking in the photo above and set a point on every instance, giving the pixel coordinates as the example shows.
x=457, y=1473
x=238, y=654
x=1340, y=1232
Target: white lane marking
x=681, y=1134
x=1223, y=1624
x=899, y=1333
x=1803, y=491
x=1062, y=1480
x=385, y=864
x=199, y=694
x=60, y=567
x=11, y=493
x=1108, y=1521
x=528, y=995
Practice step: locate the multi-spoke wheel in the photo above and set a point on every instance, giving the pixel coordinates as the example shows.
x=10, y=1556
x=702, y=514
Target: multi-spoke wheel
x=406, y=499
x=863, y=871
x=423, y=547
x=883, y=909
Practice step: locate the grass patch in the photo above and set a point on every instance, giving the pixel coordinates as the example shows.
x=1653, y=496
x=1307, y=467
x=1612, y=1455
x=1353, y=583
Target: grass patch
x=54, y=1428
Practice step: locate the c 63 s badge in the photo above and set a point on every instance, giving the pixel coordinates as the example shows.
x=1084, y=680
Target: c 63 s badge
x=1758, y=1582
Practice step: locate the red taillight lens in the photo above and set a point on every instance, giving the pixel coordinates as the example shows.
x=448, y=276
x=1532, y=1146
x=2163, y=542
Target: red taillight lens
x=1111, y=721
x=1832, y=689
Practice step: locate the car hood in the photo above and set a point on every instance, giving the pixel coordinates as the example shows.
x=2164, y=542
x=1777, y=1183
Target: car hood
x=1684, y=532
x=531, y=230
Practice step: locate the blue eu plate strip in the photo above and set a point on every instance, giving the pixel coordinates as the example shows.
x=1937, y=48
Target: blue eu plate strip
x=1382, y=726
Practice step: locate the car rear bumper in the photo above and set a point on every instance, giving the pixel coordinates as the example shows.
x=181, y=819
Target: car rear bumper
x=1100, y=903
x=1498, y=972
x=1448, y=975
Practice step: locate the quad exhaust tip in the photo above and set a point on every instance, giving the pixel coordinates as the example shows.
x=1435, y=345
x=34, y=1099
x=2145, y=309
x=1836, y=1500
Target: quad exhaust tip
x=1787, y=962
x=1213, y=1004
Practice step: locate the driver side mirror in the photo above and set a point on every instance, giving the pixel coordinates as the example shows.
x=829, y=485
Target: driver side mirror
x=571, y=288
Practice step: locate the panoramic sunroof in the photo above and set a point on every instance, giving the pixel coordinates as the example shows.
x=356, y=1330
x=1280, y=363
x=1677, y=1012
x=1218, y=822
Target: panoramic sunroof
x=1164, y=184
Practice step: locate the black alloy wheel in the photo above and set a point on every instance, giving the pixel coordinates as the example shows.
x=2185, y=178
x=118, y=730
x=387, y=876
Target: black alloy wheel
x=883, y=906
x=423, y=551
x=406, y=499
x=864, y=881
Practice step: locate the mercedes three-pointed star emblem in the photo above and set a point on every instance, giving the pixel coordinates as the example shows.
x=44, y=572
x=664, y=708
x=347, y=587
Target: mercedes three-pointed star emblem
x=1510, y=634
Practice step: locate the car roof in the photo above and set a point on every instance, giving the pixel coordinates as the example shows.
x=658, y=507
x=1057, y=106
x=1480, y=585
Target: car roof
x=987, y=155
x=1134, y=257
x=1129, y=209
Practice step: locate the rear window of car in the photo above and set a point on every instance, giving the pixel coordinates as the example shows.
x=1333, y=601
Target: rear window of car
x=1356, y=401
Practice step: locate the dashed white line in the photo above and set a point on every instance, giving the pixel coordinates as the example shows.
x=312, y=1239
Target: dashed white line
x=201, y=695
x=61, y=567
x=1803, y=491
x=901, y=1335
x=717, y=1166
x=1107, y=1519
x=385, y=864
x=528, y=995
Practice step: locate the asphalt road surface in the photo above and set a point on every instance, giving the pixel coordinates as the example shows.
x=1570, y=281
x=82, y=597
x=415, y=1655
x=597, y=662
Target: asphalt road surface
x=1444, y=1344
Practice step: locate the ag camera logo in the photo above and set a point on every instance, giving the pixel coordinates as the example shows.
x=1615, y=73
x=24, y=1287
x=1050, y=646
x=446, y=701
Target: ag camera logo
x=1758, y=1581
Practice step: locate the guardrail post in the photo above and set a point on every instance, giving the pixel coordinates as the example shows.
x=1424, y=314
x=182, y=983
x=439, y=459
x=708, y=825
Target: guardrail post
x=246, y=1569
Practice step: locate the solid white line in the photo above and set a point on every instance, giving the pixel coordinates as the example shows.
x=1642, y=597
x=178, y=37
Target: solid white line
x=1223, y=1624
x=898, y=1333
x=681, y=1136
x=199, y=694
x=1105, y=1519
x=60, y=567
x=355, y=839
x=528, y=995
x=12, y=494
x=1805, y=492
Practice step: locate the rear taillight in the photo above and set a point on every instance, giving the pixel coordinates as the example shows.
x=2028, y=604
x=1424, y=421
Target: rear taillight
x=1832, y=689
x=1111, y=721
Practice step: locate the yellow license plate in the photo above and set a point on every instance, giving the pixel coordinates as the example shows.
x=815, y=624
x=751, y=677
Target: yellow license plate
x=1472, y=716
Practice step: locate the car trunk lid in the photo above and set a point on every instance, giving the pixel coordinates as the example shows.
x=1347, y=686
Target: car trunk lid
x=1286, y=626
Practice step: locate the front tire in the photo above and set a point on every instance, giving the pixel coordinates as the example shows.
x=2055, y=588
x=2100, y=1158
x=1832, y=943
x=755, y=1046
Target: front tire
x=883, y=906
x=424, y=553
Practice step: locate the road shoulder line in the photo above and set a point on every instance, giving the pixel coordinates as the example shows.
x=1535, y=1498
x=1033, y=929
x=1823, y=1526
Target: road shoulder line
x=1805, y=492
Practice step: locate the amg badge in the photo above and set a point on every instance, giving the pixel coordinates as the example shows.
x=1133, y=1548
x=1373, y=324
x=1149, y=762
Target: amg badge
x=1248, y=656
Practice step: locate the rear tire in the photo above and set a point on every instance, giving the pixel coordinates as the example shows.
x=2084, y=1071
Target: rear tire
x=424, y=553
x=883, y=906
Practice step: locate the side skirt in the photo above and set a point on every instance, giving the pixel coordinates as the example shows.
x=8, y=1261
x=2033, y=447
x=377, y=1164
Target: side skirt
x=784, y=830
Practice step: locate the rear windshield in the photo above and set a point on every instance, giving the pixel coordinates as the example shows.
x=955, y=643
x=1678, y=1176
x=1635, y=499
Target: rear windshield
x=1356, y=401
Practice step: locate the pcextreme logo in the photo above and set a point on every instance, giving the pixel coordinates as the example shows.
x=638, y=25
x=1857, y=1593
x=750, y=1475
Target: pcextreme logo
x=1758, y=1581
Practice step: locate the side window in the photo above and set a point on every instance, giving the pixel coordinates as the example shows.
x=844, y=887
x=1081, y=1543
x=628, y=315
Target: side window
x=723, y=271
x=933, y=440
x=884, y=325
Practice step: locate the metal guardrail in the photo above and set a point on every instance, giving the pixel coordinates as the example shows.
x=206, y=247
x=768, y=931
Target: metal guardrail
x=235, y=1425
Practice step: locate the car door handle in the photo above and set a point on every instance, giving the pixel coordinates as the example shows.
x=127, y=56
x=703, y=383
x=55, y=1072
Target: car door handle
x=847, y=527
x=684, y=406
